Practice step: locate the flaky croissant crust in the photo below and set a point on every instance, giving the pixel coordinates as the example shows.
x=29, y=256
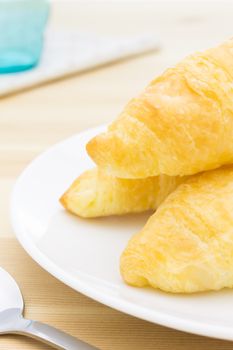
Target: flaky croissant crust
x=187, y=245
x=180, y=125
x=94, y=194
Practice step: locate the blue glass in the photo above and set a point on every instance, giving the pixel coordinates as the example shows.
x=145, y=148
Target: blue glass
x=22, y=24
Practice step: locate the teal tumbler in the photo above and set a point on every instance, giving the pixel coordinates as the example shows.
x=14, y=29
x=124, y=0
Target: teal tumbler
x=22, y=24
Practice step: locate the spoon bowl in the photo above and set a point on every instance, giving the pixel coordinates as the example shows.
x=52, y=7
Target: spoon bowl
x=12, y=320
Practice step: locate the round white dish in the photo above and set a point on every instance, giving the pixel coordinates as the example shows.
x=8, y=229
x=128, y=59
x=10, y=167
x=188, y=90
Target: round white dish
x=84, y=254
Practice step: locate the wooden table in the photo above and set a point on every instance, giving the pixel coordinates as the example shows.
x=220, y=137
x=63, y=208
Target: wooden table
x=32, y=121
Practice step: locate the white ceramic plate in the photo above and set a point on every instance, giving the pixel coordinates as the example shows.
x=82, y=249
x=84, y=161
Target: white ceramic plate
x=84, y=254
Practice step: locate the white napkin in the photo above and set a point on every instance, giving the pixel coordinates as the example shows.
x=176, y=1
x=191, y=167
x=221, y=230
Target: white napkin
x=68, y=52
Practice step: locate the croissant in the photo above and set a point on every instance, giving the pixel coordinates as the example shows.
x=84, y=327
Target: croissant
x=187, y=245
x=180, y=125
x=95, y=193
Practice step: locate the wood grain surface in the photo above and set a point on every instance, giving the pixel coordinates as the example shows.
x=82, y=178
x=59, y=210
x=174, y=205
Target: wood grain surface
x=32, y=121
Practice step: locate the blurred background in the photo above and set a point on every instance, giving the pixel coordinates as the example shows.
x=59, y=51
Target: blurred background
x=57, y=39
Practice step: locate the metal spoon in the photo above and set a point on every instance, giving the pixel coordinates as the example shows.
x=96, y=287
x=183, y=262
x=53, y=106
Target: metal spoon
x=12, y=321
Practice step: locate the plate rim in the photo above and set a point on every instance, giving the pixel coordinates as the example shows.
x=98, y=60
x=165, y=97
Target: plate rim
x=127, y=307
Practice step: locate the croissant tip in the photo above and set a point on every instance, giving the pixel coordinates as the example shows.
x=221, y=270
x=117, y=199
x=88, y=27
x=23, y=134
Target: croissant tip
x=91, y=146
x=62, y=200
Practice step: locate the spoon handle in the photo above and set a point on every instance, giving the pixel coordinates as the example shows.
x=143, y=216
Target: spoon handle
x=52, y=336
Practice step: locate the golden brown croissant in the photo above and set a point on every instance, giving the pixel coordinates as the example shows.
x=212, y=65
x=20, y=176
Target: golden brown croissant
x=96, y=194
x=187, y=245
x=180, y=125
